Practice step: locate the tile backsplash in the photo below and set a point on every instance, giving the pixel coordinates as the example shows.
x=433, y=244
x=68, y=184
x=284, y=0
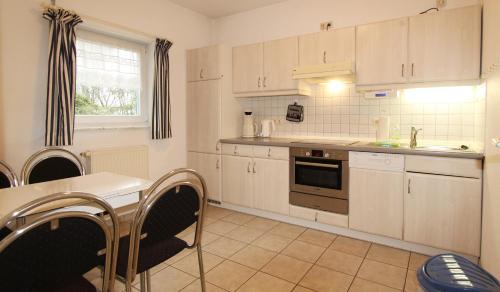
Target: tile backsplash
x=447, y=115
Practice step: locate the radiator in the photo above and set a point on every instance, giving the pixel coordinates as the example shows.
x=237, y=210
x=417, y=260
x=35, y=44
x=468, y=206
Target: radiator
x=130, y=161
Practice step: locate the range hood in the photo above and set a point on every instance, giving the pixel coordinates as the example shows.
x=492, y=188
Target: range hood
x=342, y=71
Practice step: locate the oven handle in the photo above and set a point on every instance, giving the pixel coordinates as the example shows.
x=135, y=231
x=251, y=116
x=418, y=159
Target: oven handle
x=317, y=164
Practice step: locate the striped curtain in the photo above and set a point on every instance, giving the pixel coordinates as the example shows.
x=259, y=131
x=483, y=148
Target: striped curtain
x=60, y=119
x=161, y=118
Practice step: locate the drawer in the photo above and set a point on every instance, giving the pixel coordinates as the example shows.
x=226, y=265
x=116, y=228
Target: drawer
x=281, y=153
x=445, y=166
x=303, y=213
x=237, y=149
x=333, y=219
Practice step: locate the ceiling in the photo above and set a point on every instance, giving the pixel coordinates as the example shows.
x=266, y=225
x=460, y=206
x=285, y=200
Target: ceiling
x=220, y=8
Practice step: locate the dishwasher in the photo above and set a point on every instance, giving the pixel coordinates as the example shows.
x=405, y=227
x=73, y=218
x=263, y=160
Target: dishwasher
x=376, y=192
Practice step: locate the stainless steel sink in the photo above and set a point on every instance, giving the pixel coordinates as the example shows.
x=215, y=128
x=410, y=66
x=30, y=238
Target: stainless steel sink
x=443, y=148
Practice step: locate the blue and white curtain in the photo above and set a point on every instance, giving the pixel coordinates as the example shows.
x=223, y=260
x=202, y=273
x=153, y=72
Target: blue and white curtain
x=61, y=87
x=161, y=127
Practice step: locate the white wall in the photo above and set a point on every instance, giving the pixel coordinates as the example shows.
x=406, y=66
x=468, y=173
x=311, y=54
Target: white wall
x=295, y=17
x=23, y=62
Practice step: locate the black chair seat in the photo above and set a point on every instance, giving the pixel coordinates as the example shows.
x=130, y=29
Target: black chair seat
x=150, y=253
x=79, y=284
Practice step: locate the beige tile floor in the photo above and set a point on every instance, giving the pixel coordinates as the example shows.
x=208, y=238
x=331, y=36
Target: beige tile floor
x=247, y=253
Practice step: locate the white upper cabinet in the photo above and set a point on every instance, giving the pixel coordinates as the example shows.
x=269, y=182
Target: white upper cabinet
x=333, y=46
x=247, y=68
x=382, y=52
x=445, y=45
x=203, y=63
x=203, y=117
x=491, y=37
x=280, y=58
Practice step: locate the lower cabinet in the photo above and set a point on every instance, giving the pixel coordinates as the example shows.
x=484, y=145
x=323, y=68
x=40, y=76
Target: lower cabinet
x=261, y=183
x=443, y=211
x=209, y=166
x=237, y=180
x=376, y=202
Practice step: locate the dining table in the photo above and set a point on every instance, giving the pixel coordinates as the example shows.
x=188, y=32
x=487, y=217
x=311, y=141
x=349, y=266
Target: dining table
x=120, y=191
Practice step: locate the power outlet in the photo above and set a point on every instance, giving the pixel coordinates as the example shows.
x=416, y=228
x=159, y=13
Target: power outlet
x=326, y=25
x=441, y=3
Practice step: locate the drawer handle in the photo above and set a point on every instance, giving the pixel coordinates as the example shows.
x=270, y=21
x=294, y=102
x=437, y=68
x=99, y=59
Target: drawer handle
x=217, y=164
x=269, y=152
x=258, y=82
x=317, y=164
x=254, y=170
x=235, y=150
x=409, y=186
x=248, y=168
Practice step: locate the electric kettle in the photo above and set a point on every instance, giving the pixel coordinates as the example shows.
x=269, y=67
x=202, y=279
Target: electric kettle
x=249, y=125
x=267, y=128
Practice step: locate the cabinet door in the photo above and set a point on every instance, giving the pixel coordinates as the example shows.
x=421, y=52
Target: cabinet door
x=247, y=68
x=333, y=46
x=237, y=180
x=443, y=212
x=381, y=52
x=491, y=37
x=208, y=165
x=203, y=64
x=271, y=185
x=203, y=116
x=376, y=202
x=446, y=45
x=280, y=58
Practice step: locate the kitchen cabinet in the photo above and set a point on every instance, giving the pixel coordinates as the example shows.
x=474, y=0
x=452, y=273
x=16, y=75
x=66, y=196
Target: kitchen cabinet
x=333, y=46
x=203, y=116
x=250, y=181
x=203, y=63
x=265, y=69
x=209, y=166
x=491, y=37
x=248, y=64
x=382, y=52
x=376, y=202
x=271, y=180
x=445, y=46
x=237, y=180
x=443, y=211
x=280, y=58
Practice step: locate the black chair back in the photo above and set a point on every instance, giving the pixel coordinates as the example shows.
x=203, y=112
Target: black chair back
x=8, y=178
x=51, y=164
x=58, y=247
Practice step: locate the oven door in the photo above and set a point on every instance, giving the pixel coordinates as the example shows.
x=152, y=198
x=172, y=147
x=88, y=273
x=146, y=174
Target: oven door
x=324, y=177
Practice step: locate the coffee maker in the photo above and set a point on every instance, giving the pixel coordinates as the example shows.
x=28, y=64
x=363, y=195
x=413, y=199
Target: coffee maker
x=249, y=125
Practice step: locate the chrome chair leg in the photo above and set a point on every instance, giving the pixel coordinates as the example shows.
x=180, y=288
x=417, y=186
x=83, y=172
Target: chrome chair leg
x=202, y=270
x=143, y=281
x=148, y=281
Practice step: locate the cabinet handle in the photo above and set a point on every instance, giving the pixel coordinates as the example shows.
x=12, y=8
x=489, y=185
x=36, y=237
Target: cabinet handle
x=217, y=147
x=269, y=152
x=217, y=165
x=248, y=168
x=201, y=73
x=235, y=150
x=409, y=186
x=402, y=70
x=254, y=170
x=258, y=82
x=412, y=68
x=264, y=82
x=324, y=57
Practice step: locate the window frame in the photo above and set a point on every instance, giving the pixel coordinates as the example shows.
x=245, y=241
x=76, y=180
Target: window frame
x=83, y=122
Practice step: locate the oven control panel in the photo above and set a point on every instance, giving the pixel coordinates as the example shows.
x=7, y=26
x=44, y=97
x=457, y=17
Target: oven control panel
x=320, y=153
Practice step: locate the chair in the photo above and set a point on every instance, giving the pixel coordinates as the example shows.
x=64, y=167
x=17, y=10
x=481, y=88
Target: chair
x=8, y=178
x=51, y=163
x=162, y=213
x=57, y=246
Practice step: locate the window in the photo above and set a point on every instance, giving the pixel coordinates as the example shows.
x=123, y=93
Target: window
x=110, y=81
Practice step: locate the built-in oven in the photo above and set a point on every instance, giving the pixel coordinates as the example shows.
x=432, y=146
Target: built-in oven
x=319, y=179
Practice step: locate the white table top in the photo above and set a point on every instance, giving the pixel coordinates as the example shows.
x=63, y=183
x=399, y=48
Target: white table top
x=106, y=185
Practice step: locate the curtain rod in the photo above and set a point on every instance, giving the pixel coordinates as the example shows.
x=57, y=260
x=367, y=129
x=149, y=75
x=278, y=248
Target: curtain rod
x=105, y=22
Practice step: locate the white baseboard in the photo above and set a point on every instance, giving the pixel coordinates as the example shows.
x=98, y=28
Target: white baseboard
x=414, y=247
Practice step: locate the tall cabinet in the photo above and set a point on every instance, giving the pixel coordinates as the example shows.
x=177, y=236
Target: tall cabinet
x=212, y=113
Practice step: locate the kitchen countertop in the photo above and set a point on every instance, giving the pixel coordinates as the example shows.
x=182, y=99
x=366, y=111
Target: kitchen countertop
x=361, y=146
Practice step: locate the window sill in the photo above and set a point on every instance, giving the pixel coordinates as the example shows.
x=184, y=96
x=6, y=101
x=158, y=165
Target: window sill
x=110, y=127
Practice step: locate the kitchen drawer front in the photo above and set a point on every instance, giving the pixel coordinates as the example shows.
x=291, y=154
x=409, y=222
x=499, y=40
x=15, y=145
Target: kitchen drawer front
x=281, y=153
x=333, y=219
x=237, y=149
x=445, y=166
x=303, y=213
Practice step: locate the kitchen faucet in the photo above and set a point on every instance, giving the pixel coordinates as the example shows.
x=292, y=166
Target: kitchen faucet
x=413, y=137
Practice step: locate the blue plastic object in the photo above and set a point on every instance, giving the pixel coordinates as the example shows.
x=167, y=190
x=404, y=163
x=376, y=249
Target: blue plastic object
x=449, y=272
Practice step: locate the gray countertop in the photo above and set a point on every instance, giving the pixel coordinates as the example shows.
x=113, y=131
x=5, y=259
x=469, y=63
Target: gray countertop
x=359, y=146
